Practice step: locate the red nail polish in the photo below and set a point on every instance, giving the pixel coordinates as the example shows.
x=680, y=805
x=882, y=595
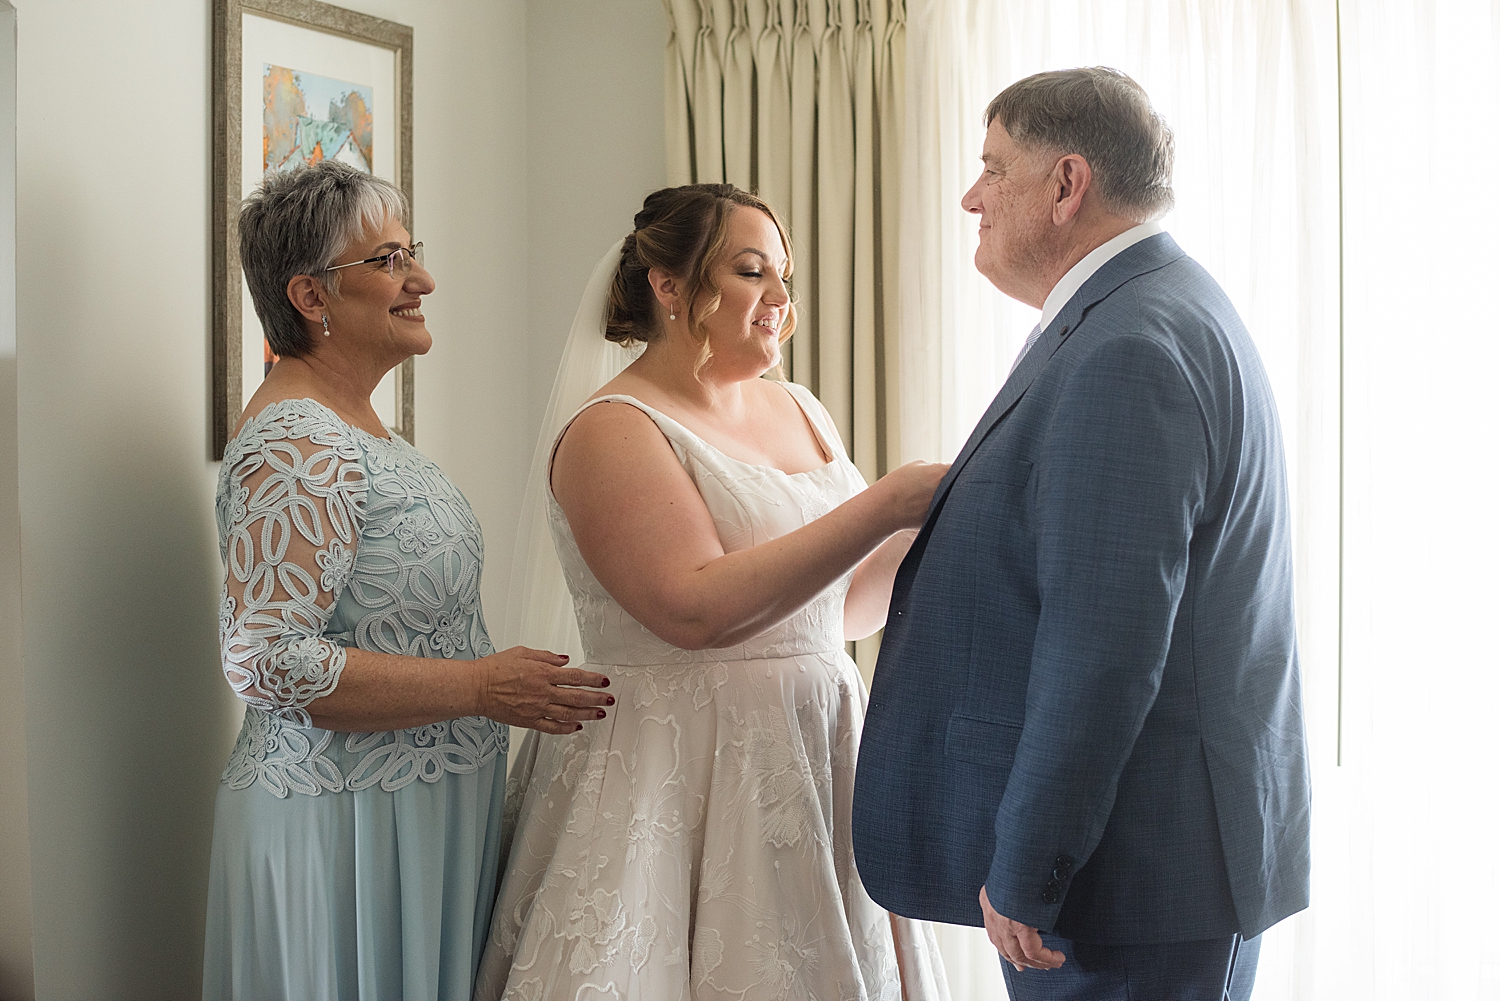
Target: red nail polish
x=601, y=713
x=606, y=683
x=610, y=700
x=578, y=727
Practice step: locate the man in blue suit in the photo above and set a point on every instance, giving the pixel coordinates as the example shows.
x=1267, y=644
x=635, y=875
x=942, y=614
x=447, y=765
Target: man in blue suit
x=1085, y=730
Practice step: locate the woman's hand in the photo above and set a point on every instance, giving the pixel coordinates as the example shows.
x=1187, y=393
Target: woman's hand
x=907, y=492
x=533, y=688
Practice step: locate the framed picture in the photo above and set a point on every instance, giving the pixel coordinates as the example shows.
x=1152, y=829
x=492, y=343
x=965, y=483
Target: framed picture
x=296, y=81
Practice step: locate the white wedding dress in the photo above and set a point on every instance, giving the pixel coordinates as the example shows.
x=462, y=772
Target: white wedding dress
x=696, y=843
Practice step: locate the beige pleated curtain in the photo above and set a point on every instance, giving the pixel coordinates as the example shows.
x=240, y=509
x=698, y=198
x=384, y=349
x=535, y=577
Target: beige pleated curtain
x=800, y=102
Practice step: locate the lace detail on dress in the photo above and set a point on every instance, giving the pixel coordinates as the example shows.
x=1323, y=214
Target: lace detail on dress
x=333, y=537
x=695, y=845
x=288, y=513
x=281, y=758
x=397, y=758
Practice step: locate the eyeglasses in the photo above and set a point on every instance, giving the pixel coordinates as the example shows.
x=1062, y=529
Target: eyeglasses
x=397, y=262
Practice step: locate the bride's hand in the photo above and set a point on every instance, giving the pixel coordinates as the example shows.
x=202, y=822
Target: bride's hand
x=909, y=490
x=532, y=688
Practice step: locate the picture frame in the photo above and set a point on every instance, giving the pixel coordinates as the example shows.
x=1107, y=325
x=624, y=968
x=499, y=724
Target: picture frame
x=276, y=64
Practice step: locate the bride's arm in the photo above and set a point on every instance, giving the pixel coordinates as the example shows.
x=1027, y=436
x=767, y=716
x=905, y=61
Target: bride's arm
x=644, y=531
x=869, y=597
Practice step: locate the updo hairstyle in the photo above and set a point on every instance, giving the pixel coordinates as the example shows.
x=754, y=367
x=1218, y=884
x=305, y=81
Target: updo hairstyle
x=683, y=232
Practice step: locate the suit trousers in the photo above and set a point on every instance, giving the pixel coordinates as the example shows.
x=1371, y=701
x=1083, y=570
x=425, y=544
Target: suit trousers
x=1216, y=969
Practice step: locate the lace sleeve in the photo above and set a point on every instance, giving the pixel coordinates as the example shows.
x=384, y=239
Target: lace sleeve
x=291, y=506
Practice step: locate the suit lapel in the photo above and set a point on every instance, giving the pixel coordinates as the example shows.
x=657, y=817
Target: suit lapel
x=1149, y=255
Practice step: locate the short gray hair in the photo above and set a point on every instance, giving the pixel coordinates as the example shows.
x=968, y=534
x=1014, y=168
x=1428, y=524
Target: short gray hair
x=1103, y=116
x=298, y=222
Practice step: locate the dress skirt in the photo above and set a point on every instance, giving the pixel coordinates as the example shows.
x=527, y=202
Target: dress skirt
x=694, y=846
x=367, y=895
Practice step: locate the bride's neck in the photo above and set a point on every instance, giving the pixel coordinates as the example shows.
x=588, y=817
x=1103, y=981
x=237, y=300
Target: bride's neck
x=670, y=366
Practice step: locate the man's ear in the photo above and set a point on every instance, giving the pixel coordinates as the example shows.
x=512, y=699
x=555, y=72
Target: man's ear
x=1071, y=179
x=308, y=297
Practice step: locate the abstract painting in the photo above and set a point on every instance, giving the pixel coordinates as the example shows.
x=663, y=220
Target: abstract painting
x=310, y=118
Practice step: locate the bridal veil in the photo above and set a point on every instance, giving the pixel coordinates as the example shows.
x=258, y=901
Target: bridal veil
x=540, y=611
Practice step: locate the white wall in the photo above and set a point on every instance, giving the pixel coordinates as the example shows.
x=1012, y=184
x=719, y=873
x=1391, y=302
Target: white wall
x=125, y=719
x=596, y=146
x=470, y=170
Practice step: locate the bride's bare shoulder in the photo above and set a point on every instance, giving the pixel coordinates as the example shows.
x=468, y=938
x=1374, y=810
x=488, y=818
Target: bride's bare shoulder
x=606, y=432
x=609, y=447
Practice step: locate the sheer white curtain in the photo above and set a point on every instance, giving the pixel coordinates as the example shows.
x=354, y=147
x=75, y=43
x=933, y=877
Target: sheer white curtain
x=1409, y=869
x=1250, y=89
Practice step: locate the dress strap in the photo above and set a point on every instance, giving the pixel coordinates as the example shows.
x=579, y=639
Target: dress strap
x=817, y=417
x=680, y=438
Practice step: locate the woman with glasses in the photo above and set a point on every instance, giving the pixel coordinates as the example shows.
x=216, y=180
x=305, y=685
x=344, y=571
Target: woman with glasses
x=357, y=830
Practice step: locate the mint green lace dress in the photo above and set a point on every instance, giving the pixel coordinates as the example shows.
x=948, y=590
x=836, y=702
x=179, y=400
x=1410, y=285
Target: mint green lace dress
x=346, y=865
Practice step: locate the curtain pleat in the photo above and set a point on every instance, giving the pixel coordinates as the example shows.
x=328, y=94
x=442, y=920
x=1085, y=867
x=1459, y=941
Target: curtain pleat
x=891, y=101
x=739, y=98
x=773, y=83
x=801, y=102
x=836, y=166
x=707, y=99
x=866, y=210
x=682, y=28
x=799, y=211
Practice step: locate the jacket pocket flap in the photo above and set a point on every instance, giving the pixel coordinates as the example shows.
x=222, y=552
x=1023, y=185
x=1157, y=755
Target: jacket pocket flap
x=981, y=741
x=1015, y=472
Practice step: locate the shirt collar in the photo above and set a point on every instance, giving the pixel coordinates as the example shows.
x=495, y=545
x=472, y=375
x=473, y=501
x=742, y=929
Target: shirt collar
x=1084, y=269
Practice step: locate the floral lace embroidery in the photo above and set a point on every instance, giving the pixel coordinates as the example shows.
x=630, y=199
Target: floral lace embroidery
x=281, y=758
x=333, y=538
x=291, y=488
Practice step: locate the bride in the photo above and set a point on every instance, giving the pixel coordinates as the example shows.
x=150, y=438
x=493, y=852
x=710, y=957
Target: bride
x=719, y=547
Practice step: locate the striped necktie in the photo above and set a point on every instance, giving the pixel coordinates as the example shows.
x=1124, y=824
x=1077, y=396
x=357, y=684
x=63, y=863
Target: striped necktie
x=1036, y=332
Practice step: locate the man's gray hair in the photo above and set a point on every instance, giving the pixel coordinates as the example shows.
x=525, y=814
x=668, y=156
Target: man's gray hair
x=1103, y=116
x=298, y=222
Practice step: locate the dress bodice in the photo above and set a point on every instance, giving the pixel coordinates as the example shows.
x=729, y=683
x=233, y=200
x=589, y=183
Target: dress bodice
x=750, y=505
x=333, y=538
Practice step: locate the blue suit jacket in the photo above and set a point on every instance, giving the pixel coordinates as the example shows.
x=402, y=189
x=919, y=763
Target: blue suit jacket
x=1087, y=697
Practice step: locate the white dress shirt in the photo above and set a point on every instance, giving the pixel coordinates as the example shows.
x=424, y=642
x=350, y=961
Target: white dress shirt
x=1081, y=272
x=1084, y=269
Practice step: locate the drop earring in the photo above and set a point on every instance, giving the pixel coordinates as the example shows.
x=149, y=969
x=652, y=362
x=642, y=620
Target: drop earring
x=325, y=324
x=673, y=314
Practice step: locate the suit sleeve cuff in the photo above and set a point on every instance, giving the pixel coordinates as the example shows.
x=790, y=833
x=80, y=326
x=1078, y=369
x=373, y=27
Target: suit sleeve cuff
x=1036, y=898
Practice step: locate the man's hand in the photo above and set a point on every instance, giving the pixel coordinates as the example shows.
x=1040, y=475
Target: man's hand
x=1020, y=945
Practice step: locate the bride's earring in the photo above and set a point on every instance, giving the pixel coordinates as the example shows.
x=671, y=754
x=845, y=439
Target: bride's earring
x=325, y=324
x=673, y=314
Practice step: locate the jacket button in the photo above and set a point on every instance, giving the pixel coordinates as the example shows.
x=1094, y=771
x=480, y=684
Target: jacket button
x=1049, y=897
x=1054, y=884
x=1059, y=873
x=1064, y=862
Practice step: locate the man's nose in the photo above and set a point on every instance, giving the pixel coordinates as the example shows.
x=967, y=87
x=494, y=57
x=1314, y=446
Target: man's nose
x=971, y=201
